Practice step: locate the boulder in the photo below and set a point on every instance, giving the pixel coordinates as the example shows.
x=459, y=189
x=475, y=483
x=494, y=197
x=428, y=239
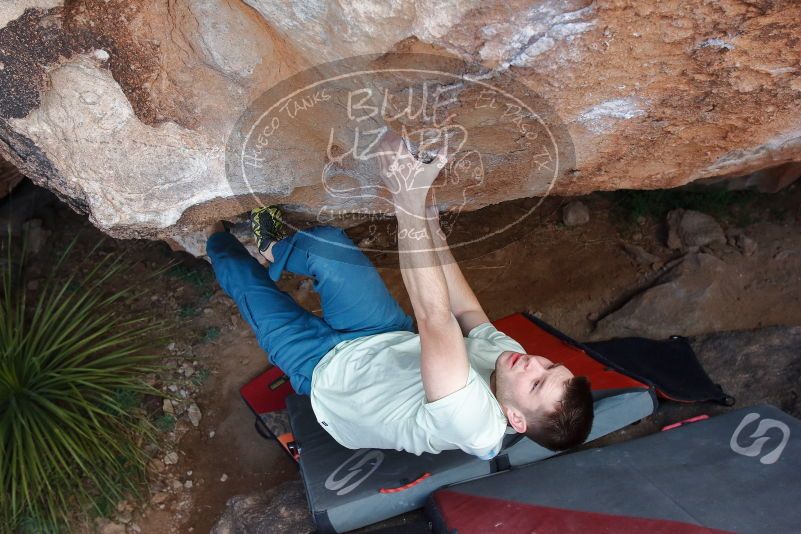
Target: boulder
x=685, y=300
x=128, y=110
x=690, y=230
x=282, y=509
x=755, y=366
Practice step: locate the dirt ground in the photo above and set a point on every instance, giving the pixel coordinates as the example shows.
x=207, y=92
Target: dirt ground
x=569, y=276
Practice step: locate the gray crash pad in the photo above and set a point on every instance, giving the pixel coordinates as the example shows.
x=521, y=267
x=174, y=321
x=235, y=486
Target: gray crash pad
x=738, y=472
x=348, y=489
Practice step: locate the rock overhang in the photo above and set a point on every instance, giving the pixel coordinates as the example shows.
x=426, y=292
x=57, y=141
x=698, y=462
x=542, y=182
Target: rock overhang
x=125, y=109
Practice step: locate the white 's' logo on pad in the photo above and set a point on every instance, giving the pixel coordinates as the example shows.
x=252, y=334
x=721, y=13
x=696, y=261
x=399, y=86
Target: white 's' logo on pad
x=363, y=462
x=755, y=449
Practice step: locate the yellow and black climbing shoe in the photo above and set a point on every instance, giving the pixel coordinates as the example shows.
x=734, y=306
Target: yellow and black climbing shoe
x=267, y=226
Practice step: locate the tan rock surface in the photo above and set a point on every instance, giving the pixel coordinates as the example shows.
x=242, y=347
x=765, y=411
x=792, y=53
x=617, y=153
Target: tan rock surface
x=124, y=108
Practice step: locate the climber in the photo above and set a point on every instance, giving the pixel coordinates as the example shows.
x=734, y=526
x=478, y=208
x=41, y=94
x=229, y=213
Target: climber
x=374, y=382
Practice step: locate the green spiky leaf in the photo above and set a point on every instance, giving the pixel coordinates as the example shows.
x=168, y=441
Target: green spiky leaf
x=71, y=375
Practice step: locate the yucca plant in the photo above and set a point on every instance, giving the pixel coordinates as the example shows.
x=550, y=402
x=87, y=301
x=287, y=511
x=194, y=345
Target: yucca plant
x=71, y=373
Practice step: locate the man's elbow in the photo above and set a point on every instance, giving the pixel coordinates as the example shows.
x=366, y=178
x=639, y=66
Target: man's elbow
x=434, y=319
x=471, y=319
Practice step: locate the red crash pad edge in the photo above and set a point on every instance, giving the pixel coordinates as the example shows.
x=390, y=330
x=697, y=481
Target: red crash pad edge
x=471, y=514
x=561, y=349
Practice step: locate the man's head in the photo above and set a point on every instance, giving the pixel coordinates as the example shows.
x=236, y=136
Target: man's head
x=543, y=400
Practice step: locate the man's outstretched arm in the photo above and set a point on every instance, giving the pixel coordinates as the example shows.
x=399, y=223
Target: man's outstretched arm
x=464, y=303
x=443, y=356
x=443, y=360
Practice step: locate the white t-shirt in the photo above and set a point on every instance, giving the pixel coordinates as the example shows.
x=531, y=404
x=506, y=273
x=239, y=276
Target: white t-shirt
x=368, y=393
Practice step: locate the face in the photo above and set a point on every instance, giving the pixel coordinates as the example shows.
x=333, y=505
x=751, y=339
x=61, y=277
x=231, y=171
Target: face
x=525, y=383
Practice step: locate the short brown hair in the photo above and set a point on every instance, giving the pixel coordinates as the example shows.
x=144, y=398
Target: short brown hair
x=569, y=425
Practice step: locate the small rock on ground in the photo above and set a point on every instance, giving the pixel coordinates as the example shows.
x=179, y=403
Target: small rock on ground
x=159, y=498
x=575, y=213
x=689, y=230
x=639, y=254
x=36, y=235
x=113, y=528
x=737, y=239
x=194, y=414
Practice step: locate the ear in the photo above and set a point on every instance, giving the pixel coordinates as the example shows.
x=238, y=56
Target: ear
x=516, y=419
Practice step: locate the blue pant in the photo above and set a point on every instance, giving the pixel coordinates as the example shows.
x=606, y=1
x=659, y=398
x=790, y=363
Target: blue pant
x=355, y=301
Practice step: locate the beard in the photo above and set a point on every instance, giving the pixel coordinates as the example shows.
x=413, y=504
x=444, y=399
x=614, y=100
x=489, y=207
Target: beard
x=499, y=387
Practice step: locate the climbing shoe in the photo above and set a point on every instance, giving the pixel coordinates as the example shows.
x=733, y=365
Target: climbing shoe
x=267, y=226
